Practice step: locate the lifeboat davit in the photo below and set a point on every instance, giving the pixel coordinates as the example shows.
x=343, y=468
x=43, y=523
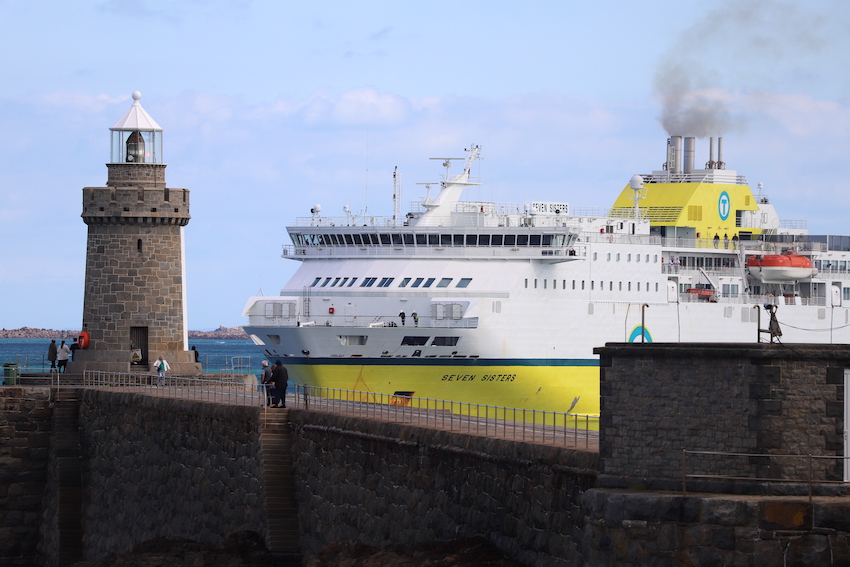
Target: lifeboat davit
x=780, y=268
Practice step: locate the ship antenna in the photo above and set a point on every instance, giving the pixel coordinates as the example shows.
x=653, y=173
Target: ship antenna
x=396, y=196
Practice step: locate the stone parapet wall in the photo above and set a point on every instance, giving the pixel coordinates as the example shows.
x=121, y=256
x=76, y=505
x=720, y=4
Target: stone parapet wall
x=135, y=205
x=121, y=174
x=24, y=443
x=385, y=483
x=157, y=467
x=660, y=399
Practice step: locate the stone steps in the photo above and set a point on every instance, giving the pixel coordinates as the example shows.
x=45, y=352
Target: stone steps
x=281, y=508
x=66, y=440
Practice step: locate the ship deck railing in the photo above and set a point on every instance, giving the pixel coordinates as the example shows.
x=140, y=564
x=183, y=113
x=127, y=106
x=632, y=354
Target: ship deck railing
x=363, y=321
x=556, y=428
x=429, y=251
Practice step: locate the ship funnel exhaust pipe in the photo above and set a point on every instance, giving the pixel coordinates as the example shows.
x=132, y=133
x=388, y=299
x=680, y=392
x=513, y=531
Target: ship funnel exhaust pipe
x=720, y=164
x=690, y=144
x=676, y=154
x=711, y=164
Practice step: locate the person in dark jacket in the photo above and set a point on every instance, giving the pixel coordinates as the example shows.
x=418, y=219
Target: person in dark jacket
x=281, y=379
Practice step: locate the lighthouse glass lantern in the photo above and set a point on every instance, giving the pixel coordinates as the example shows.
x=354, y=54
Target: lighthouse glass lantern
x=136, y=137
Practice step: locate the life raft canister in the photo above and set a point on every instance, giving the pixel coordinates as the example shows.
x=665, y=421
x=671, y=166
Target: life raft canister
x=84, y=339
x=331, y=310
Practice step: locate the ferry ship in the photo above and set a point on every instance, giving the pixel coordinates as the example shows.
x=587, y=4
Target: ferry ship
x=502, y=304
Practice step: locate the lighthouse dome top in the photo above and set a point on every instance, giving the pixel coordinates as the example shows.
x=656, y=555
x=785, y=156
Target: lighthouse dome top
x=136, y=137
x=136, y=119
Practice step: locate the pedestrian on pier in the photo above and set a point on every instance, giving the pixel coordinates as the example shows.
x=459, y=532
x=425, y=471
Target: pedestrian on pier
x=74, y=346
x=51, y=354
x=161, y=366
x=280, y=377
x=62, y=354
x=264, y=379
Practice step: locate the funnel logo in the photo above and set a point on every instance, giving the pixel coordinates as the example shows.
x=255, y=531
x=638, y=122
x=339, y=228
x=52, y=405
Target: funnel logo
x=724, y=206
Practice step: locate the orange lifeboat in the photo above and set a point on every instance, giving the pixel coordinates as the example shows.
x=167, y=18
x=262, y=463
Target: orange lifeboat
x=780, y=268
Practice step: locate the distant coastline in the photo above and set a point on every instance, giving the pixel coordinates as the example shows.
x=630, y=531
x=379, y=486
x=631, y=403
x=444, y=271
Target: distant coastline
x=222, y=333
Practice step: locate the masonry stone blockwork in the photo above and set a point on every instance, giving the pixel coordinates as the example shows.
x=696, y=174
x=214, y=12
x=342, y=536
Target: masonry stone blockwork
x=761, y=399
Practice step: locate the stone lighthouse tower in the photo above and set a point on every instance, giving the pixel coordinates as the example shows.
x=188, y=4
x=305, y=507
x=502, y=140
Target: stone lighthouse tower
x=134, y=307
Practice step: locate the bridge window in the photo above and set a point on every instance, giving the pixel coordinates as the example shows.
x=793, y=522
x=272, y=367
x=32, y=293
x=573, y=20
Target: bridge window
x=428, y=282
x=326, y=282
x=368, y=282
x=472, y=240
x=417, y=282
x=342, y=283
x=351, y=283
x=385, y=238
x=457, y=239
x=522, y=240
x=445, y=240
x=444, y=282
x=534, y=240
x=483, y=240
x=407, y=238
x=464, y=282
x=496, y=240
x=336, y=281
x=315, y=282
x=385, y=282
x=414, y=341
x=510, y=240
x=404, y=282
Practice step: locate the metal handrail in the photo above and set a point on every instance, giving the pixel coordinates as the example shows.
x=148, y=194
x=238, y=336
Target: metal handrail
x=529, y=425
x=809, y=476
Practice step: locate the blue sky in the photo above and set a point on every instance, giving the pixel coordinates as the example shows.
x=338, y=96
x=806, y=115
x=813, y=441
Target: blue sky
x=271, y=106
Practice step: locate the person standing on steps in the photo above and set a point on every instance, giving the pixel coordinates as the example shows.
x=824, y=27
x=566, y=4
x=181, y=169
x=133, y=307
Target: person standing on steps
x=280, y=377
x=265, y=379
x=51, y=354
x=62, y=354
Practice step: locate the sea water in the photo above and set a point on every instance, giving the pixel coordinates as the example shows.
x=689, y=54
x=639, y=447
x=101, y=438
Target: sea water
x=216, y=355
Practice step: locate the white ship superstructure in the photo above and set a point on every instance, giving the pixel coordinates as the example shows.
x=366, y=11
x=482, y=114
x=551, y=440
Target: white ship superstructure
x=503, y=304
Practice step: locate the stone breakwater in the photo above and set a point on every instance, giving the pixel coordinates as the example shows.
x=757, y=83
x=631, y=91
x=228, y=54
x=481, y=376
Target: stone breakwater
x=387, y=483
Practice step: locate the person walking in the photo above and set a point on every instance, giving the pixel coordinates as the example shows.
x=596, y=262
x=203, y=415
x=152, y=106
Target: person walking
x=51, y=354
x=62, y=354
x=161, y=366
x=264, y=380
x=280, y=377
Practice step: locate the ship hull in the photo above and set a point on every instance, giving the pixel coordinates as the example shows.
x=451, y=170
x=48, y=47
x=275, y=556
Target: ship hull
x=540, y=384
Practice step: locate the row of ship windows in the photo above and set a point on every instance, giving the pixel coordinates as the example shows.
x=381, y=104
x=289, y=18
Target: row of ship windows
x=628, y=257
x=386, y=282
x=407, y=239
x=592, y=285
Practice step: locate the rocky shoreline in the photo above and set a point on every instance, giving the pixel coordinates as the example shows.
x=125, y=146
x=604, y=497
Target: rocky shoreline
x=222, y=333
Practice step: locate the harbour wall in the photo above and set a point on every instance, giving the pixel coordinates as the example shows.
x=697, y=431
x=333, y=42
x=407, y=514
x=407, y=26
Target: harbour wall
x=152, y=467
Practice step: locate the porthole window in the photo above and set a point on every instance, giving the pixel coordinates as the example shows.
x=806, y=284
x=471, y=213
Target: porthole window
x=609, y=256
x=618, y=256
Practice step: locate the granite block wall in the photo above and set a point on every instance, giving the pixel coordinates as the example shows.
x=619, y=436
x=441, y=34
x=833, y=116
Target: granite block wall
x=762, y=399
x=386, y=483
x=24, y=442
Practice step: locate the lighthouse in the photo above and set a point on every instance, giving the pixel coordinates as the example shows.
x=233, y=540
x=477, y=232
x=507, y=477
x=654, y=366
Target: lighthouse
x=134, y=305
